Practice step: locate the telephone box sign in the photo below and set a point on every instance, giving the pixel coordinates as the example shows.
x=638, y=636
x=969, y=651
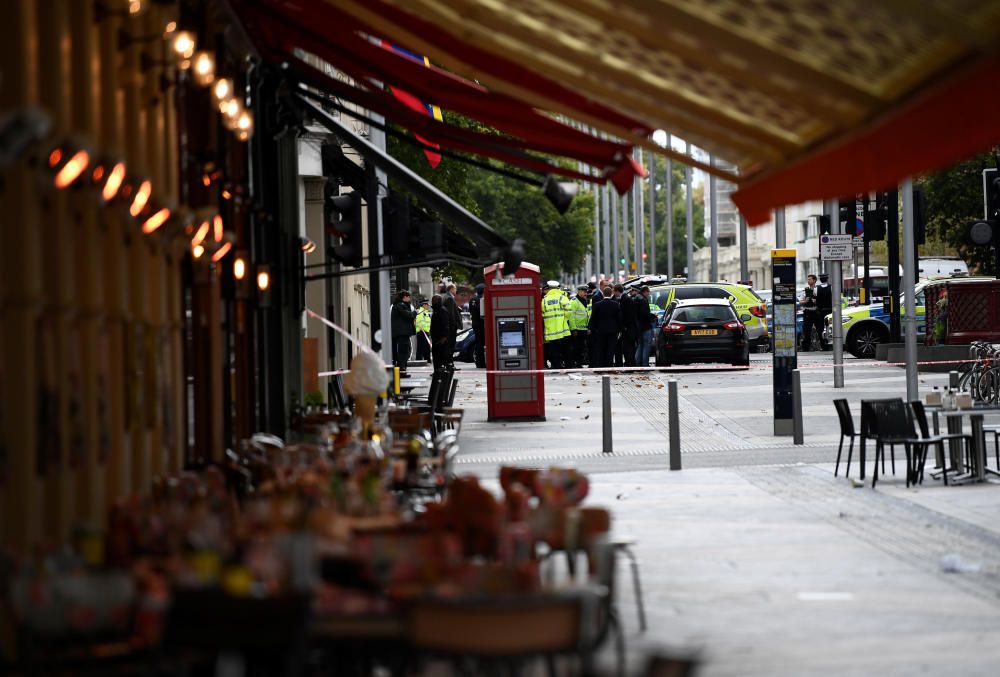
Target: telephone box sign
x=513, y=318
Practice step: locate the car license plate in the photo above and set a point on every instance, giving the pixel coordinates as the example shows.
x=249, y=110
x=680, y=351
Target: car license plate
x=704, y=332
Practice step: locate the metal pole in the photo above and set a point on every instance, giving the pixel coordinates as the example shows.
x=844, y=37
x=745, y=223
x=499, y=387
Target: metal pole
x=596, y=258
x=615, y=253
x=909, y=282
x=797, y=432
x=779, y=228
x=625, y=232
x=690, y=214
x=606, y=408
x=377, y=137
x=652, y=215
x=744, y=251
x=713, y=227
x=637, y=222
x=674, y=425
x=836, y=282
x=670, y=213
x=892, y=242
x=606, y=229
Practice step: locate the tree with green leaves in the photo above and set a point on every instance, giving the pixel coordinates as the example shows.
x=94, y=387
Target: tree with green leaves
x=953, y=197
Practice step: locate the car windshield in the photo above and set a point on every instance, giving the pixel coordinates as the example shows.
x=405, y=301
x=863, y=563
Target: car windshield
x=703, y=314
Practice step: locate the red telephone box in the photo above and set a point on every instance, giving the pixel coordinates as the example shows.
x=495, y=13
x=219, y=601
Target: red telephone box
x=513, y=307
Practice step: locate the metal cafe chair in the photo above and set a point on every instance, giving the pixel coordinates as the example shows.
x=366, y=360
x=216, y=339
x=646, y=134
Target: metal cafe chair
x=846, y=430
x=927, y=440
x=891, y=424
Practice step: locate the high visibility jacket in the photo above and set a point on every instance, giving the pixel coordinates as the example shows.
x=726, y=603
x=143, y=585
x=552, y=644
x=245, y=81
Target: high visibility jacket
x=423, y=321
x=579, y=314
x=555, y=309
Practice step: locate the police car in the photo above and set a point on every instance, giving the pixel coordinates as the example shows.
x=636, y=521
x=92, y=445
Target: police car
x=865, y=327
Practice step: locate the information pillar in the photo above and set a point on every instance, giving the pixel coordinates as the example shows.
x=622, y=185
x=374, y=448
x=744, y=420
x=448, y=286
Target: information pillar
x=785, y=339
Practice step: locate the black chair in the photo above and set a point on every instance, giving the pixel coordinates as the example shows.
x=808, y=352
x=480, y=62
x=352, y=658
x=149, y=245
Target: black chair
x=927, y=440
x=846, y=430
x=995, y=431
x=891, y=423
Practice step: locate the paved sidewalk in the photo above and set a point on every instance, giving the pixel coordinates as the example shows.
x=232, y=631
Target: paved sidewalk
x=754, y=553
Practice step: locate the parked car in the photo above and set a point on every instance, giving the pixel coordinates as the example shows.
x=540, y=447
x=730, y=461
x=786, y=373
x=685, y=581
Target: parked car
x=750, y=308
x=465, y=346
x=867, y=326
x=702, y=330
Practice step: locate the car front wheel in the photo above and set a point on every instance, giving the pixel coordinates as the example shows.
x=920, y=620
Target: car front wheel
x=863, y=341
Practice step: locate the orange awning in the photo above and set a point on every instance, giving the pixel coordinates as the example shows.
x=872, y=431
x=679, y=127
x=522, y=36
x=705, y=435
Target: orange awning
x=808, y=99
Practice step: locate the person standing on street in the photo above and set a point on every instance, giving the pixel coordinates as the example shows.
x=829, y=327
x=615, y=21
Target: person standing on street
x=810, y=314
x=402, y=316
x=555, y=308
x=579, y=318
x=824, y=306
x=450, y=303
x=422, y=324
x=441, y=333
x=625, y=354
x=479, y=325
x=604, y=326
x=645, y=321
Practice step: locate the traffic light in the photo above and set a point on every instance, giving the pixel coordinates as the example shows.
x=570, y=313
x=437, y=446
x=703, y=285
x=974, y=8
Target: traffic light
x=342, y=216
x=408, y=231
x=824, y=224
x=874, y=224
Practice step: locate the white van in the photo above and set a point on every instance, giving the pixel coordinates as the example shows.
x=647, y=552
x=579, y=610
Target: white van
x=941, y=266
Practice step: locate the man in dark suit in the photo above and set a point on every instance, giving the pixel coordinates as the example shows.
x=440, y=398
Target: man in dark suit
x=604, y=326
x=450, y=303
x=625, y=351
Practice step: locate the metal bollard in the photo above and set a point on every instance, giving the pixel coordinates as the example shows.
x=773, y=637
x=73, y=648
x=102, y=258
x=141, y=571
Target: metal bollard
x=953, y=379
x=675, y=425
x=606, y=406
x=797, y=433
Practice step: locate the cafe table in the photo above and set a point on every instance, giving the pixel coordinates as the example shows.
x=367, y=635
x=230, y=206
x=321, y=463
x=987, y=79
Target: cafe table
x=978, y=462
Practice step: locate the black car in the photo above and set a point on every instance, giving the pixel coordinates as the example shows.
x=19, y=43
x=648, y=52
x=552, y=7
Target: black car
x=702, y=330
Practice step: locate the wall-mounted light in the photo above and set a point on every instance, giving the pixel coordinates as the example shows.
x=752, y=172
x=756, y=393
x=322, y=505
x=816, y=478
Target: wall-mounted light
x=140, y=196
x=244, y=125
x=231, y=112
x=67, y=162
x=132, y=8
x=108, y=177
x=201, y=233
x=217, y=228
x=222, y=90
x=221, y=252
x=136, y=7
x=169, y=28
x=203, y=68
x=240, y=266
x=156, y=218
x=308, y=246
x=263, y=277
x=183, y=43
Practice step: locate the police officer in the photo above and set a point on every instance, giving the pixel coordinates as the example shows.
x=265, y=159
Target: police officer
x=422, y=323
x=824, y=306
x=478, y=325
x=555, y=308
x=579, y=318
x=810, y=313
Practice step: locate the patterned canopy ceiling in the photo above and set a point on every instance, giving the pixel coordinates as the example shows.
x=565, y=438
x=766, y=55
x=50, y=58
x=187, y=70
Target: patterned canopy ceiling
x=763, y=84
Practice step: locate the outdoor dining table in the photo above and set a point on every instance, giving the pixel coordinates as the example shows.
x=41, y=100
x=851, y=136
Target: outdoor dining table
x=976, y=415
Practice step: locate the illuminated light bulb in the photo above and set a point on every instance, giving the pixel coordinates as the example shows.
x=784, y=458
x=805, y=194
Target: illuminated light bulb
x=141, y=198
x=202, y=233
x=243, y=135
x=113, y=182
x=217, y=224
x=226, y=194
x=223, y=89
x=156, y=220
x=197, y=251
x=136, y=7
x=239, y=268
x=308, y=246
x=184, y=44
x=98, y=173
x=169, y=28
x=245, y=121
x=203, y=68
x=73, y=168
x=263, y=280
x=222, y=251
